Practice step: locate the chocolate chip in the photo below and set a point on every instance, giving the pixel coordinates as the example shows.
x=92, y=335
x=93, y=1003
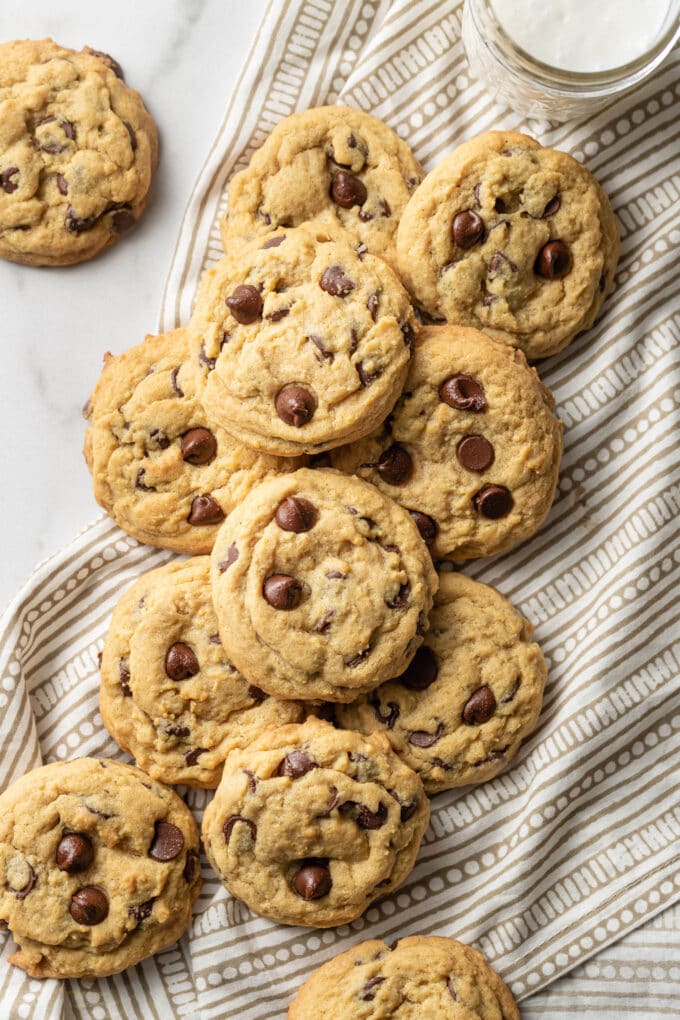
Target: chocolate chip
x=326, y=355
x=282, y=591
x=335, y=575
x=395, y=465
x=480, y=706
x=173, y=382
x=256, y=694
x=199, y=446
x=367, y=819
x=335, y=281
x=464, y=393
x=231, y=557
x=408, y=810
x=245, y=304
x=402, y=597
x=357, y=659
x=372, y=305
x=274, y=242
x=552, y=207
x=6, y=182
x=22, y=893
x=365, y=216
x=452, y=990
x=409, y=335
x=205, y=510
x=361, y=251
x=475, y=453
x=108, y=60
x=347, y=190
x=252, y=781
x=296, y=764
x=313, y=880
x=133, y=136
x=89, y=906
x=324, y=624
x=493, y=502
x=296, y=514
x=422, y=670
x=295, y=405
x=95, y=811
x=511, y=693
x=425, y=524
x=277, y=315
x=205, y=360
x=123, y=221
x=160, y=439
x=191, y=866
x=181, y=662
x=175, y=731
x=74, y=852
x=421, y=738
x=370, y=985
x=387, y=719
x=191, y=757
x=140, y=484
x=351, y=142
x=124, y=677
x=167, y=843
x=366, y=378
x=467, y=228
x=498, y=260
x=553, y=261
x=231, y=821
x=79, y=225
x=384, y=207
x=499, y=205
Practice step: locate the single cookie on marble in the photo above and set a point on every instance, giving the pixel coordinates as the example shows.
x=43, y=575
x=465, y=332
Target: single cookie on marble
x=77, y=153
x=310, y=824
x=512, y=238
x=165, y=474
x=472, y=448
x=169, y=695
x=343, y=169
x=422, y=976
x=99, y=868
x=321, y=586
x=473, y=692
x=300, y=343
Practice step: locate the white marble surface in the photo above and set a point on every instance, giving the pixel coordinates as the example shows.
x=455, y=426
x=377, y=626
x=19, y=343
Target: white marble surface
x=184, y=56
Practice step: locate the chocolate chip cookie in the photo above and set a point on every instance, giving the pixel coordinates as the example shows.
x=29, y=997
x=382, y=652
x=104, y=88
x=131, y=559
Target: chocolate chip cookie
x=169, y=695
x=321, y=586
x=422, y=976
x=99, y=868
x=472, y=693
x=345, y=170
x=300, y=342
x=472, y=448
x=77, y=152
x=160, y=468
x=311, y=824
x=512, y=238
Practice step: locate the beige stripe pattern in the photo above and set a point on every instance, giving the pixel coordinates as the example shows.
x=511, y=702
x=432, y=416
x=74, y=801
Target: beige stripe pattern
x=574, y=850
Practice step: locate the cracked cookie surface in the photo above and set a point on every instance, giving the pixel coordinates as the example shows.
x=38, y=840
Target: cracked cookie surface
x=341, y=168
x=472, y=448
x=165, y=474
x=321, y=586
x=300, y=343
x=511, y=238
x=169, y=695
x=77, y=153
x=417, y=977
x=473, y=692
x=99, y=867
x=310, y=824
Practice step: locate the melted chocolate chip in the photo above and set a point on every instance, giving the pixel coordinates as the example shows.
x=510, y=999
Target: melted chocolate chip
x=295, y=405
x=89, y=906
x=511, y=693
x=6, y=182
x=498, y=260
x=357, y=659
x=347, y=190
x=401, y=599
x=245, y=304
x=552, y=207
x=252, y=781
x=387, y=719
x=365, y=377
x=296, y=764
x=190, y=866
x=22, y=893
x=205, y=360
x=422, y=671
x=475, y=453
x=425, y=524
x=372, y=305
x=124, y=677
x=553, y=261
x=493, y=502
x=452, y=990
x=231, y=557
x=191, y=757
x=467, y=228
x=123, y=221
x=160, y=439
x=256, y=694
x=139, y=484
x=408, y=810
x=325, y=354
x=324, y=624
x=173, y=382
x=367, y=819
x=79, y=225
x=175, y=731
x=205, y=510
x=277, y=314
x=231, y=821
x=199, y=446
x=167, y=843
x=370, y=988
x=274, y=242
x=133, y=136
x=181, y=662
x=74, y=852
x=313, y=880
x=395, y=465
x=108, y=60
x=464, y=393
x=282, y=591
x=480, y=706
x=296, y=514
x=335, y=281
x=421, y=738
x=409, y=335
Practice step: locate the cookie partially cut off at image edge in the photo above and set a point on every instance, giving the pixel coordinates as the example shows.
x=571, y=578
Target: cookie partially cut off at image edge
x=310, y=824
x=77, y=152
x=433, y=977
x=321, y=586
x=511, y=238
x=99, y=868
x=168, y=694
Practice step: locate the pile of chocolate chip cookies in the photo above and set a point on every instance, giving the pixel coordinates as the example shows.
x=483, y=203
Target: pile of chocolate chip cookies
x=322, y=669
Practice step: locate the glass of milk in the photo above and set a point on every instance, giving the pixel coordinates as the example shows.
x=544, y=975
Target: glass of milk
x=563, y=59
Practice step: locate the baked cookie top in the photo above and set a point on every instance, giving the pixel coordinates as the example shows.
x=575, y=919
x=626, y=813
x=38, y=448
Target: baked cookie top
x=421, y=976
x=164, y=473
x=311, y=824
x=321, y=586
x=472, y=448
x=300, y=342
x=472, y=693
x=77, y=152
x=99, y=867
x=343, y=169
x=512, y=238
x=169, y=695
